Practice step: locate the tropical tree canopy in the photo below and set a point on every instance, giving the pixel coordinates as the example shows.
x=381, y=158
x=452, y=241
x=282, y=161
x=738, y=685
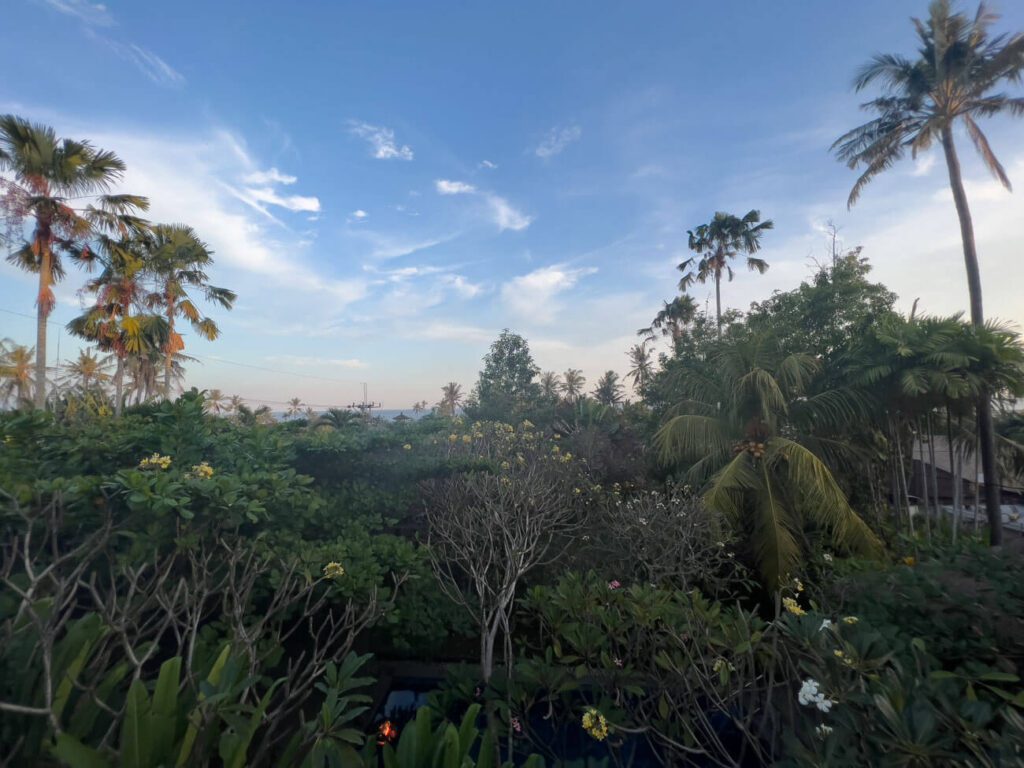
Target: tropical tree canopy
x=742, y=428
x=48, y=177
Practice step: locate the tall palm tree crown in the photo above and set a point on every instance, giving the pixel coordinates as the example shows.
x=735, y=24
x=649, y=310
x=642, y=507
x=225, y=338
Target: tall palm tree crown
x=16, y=385
x=952, y=82
x=718, y=241
x=573, y=382
x=48, y=174
x=177, y=259
x=451, y=398
x=608, y=390
x=641, y=360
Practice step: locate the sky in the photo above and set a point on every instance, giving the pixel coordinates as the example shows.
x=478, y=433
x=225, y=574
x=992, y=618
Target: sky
x=388, y=185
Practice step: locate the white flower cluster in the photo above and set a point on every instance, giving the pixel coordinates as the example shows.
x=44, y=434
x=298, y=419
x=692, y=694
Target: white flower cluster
x=810, y=695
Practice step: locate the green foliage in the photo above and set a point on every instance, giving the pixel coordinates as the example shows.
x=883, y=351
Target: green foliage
x=507, y=387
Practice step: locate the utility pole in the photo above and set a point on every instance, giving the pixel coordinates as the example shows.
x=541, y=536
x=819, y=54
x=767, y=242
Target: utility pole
x=366, y=407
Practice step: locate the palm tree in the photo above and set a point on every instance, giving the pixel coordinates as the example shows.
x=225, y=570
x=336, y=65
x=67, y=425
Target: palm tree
x=216, y=402
x=87, y=371
x=339, y=418
x=295, y=406
x=608, y=390
x=235, y=403
x=48, y=173
x=451, y=399
x=419, y=407
x=671, y=319
x=114, y=322
x=718, y=241
x=16, y=383
x=178, y=258
x=573, y=382
x=953, y=80
x=550, y=386
x=641, y=360
x=745, y=423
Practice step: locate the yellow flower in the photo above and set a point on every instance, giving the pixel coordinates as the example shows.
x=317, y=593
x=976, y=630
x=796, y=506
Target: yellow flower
x=452, y=438
x=556, y=449
x=506, y=481
x=799, y=585
x=156, y=461
x=595, y=724
x=202, y=470
x=467, y=439
x=527, y=424
x=850, y=620
x=910, y=560
x=333, y=571
x=577, y=491
x=792, y=606
x=407, y=447
x=505, y=465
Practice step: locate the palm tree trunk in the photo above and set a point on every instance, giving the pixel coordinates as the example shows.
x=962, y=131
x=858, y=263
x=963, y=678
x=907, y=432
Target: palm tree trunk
x=119, y=387
x=42, y=313
x=718, y=300
x=986, y=434
x=168, y=361
x=924, y=482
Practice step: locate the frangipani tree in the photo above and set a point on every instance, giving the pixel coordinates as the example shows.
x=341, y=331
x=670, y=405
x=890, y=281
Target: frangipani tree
x=745, y=425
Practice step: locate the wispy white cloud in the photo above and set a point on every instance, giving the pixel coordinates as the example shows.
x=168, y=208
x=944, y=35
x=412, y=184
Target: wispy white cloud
x=359, y=214
x=487, y=164
x=96, y=14
x=500, y=210
x=557, y=139
x=506, y=216
x=446, y=187
x=381, y=140
x=533, y=296
x=462, y=286
x=271, y=176
x=923, y=165
x=267, y=196
x=149, y=64
x=301, y=361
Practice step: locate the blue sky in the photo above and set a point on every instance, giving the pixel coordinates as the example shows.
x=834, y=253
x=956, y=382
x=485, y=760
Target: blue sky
x=388, y=185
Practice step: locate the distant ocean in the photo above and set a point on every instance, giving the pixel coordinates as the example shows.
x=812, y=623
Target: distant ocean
x=388, y=414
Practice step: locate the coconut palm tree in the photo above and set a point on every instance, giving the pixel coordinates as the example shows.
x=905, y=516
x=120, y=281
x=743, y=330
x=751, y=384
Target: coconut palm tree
x=420, y=406
x=641, y=361
x=48, y=174
x=723, y=238
x=339, y=418
x=550, y=386
x=177, y=259
x=744, y=424
x=573, y=382
x=451, y=399
x=87, y=370
x=235, y=403
x=608, y=390
x=116, y=322
x=216, y=402
x=16, y=384
x=952, y=81
x=671, y=319
x=295, y=406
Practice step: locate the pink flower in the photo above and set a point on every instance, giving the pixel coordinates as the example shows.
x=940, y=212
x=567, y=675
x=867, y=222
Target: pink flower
x=614, y=584
x=516, y=725
x=617, y=662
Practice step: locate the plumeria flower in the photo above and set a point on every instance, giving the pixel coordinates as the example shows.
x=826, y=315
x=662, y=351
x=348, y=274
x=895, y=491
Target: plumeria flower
x=614, y=584
x=825, y=624
x=823, y=731
x=850, y=620
x=827, y=557
x=810, y=695
x=792, y=606
x=333, y=571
